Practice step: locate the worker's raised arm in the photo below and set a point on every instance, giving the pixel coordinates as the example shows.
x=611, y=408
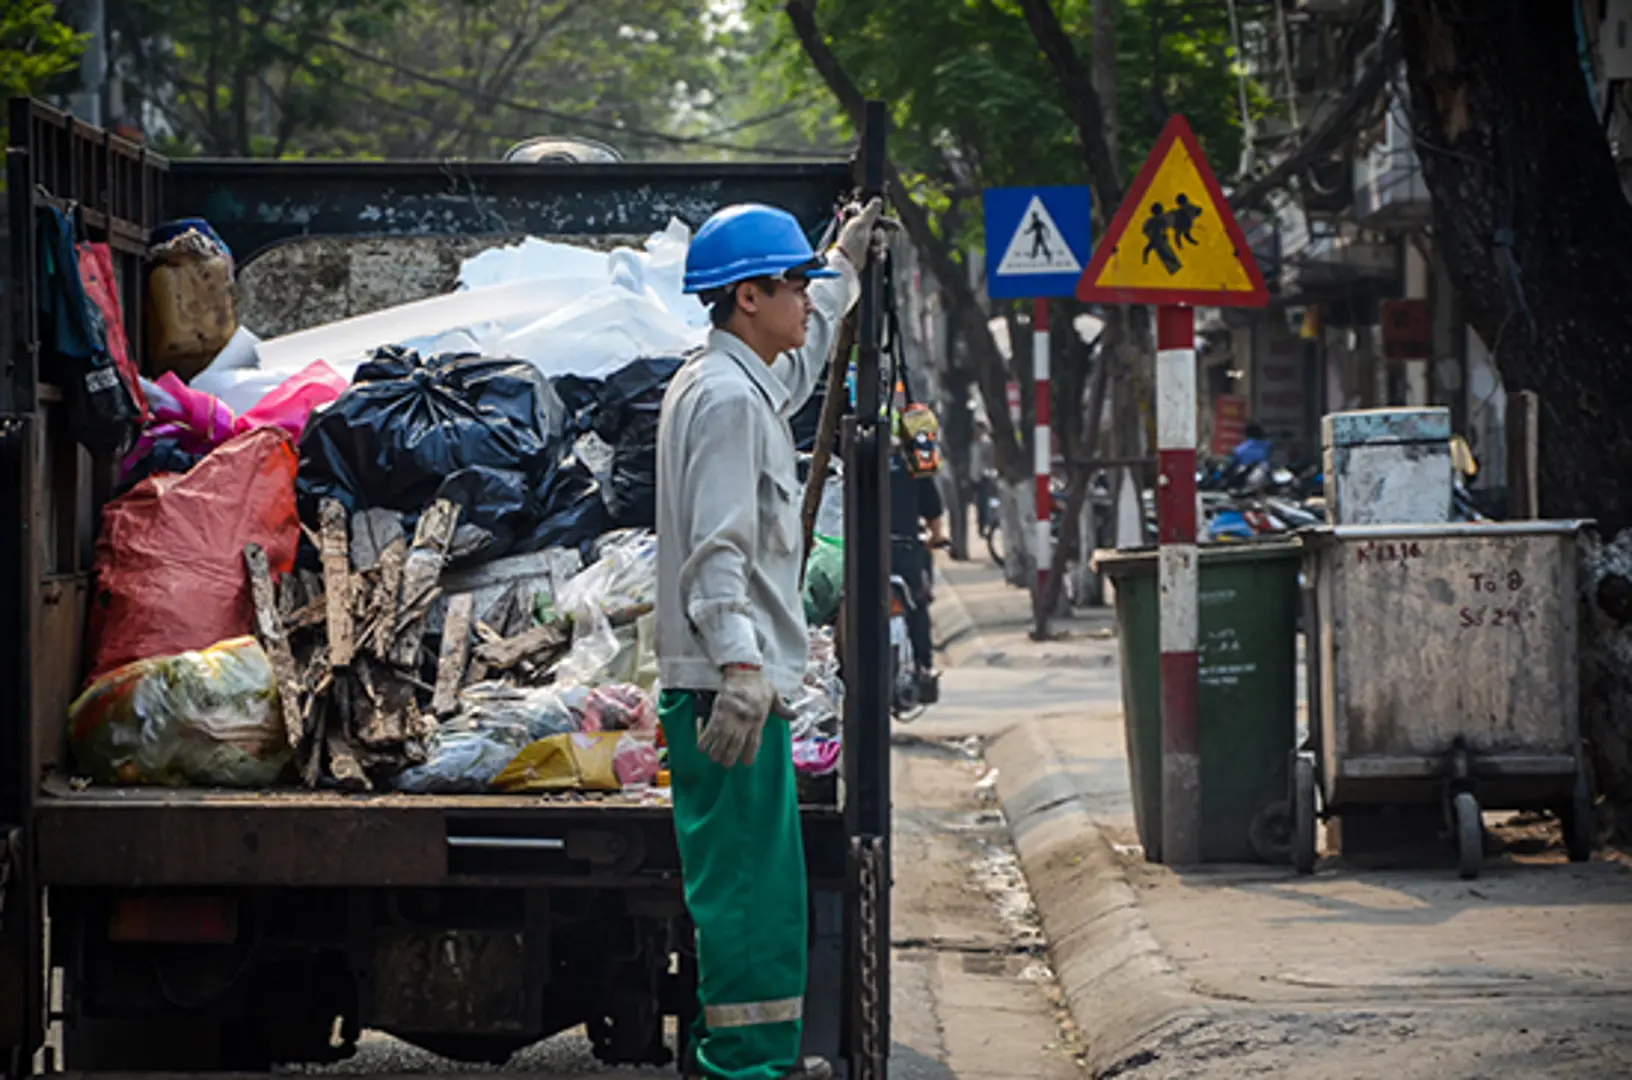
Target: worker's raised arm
x=719, y=493
x=831, y=298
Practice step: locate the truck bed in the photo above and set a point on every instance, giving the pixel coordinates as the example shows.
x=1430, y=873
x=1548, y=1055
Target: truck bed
x=294, y=838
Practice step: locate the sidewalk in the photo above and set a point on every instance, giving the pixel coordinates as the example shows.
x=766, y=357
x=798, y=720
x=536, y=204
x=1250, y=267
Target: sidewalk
x=1240, y=970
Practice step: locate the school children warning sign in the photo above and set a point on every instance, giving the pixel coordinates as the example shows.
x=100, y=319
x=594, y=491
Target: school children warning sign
x=1174, y=239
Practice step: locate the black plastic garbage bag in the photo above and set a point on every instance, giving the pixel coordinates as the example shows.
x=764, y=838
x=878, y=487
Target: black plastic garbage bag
x=482, y=432
x=574, y=513
x=626, y=419
x=166, y=456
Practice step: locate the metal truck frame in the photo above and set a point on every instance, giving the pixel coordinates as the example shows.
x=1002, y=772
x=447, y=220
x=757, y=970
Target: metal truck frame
x=209, y=930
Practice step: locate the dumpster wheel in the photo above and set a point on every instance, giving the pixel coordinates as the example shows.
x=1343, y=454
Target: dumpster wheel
x=1577, y=820
x=1304, y=853
x=1470, y=834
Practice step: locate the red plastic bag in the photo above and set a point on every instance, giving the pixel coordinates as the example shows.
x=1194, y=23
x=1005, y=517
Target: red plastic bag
x=102, y=289
x=170, y=559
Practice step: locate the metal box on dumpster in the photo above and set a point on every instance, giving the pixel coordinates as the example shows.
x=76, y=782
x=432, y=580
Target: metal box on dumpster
x=1385, y=466
x=1247, y=698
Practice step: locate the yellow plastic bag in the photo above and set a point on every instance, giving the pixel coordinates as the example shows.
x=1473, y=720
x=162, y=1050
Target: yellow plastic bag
x=579, y=761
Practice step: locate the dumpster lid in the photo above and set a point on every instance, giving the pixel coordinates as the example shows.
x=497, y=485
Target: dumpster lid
x=1320, y=535
x=1373, y=427
x=1138, y=560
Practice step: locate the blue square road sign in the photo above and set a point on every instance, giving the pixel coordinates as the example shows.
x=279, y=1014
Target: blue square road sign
x=1037, y=240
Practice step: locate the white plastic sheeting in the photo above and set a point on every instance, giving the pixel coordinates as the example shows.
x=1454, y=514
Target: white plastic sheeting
x=566, y=309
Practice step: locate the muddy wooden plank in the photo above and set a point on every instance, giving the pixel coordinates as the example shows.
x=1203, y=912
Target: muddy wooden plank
x=269, y=632
x=311, y=765
x=536, y=644
x=450, y=665
x=292, y=595
x=335, y=549
x=386, y=590
x=344, y=766
x=313, y=613
x=385, y=711
x=419, y=578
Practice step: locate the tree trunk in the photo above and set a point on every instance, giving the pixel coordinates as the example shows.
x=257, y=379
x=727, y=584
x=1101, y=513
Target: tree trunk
x=1531, y=221
x=936, y=252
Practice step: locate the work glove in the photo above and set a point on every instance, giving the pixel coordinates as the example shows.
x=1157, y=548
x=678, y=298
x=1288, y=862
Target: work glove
x=732, y=734
x=857, y=240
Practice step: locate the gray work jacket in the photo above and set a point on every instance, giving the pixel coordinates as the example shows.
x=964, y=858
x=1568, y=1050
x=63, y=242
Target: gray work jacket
x=728, y=503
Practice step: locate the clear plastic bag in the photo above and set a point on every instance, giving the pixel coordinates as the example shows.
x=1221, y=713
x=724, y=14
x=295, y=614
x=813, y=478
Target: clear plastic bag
x=496, y=721
x=209, y=718
x=538, y=710
x=622, y=582
x=624, y=574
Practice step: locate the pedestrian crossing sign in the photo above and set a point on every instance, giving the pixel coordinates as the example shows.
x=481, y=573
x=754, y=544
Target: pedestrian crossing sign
x=1037, y=240
x=1174, y=239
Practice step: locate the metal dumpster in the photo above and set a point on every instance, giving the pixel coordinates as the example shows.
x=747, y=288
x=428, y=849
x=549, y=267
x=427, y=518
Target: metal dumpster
x=1442, y=667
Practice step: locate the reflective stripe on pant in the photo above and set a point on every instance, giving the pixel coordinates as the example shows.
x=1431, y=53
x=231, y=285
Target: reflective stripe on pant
x=743, y=860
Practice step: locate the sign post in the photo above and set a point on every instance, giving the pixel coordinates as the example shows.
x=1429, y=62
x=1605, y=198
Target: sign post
x=1187, y=250
x=1046, y=233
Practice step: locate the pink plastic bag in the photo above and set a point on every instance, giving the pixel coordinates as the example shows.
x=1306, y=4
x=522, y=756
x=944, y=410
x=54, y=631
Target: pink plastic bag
x=290, y=403
x=620, y=707
x=199, y=422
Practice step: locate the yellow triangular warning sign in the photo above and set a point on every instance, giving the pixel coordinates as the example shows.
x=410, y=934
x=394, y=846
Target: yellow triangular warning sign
x=1174, y=239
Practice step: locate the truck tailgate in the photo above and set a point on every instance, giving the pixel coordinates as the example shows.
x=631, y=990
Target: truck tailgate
x=138, y=837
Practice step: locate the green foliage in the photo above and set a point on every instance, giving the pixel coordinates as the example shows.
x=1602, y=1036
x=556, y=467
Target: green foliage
x=35, y=50
x=414, y=78
x=975, y=103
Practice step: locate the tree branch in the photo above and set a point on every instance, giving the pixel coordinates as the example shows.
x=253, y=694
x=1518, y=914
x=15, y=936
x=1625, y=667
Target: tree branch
x=1080, y=97
x=990, y=373
x=1325, y=133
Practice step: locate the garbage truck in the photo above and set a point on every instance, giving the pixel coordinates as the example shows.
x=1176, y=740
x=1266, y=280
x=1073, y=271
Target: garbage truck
x=153, y=928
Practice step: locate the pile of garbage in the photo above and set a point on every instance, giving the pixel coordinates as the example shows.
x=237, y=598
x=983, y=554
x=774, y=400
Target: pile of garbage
x=434, y=576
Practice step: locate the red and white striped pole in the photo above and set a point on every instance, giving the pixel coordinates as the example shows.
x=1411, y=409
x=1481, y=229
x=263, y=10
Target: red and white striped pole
x=1042, y=442
x=1179, y=573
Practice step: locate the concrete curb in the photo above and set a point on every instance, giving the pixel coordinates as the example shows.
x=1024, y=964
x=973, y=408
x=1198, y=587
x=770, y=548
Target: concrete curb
x=958, y=637
x=1125, y=994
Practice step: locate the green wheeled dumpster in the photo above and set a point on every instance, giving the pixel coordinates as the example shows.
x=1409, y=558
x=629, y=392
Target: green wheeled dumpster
x=1250, y=600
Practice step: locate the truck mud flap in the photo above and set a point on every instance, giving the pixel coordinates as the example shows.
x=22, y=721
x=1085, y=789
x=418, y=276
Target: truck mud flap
x=868, y=889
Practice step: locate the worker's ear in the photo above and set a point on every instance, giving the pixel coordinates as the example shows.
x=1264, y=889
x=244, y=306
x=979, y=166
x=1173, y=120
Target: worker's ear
x=750, y=295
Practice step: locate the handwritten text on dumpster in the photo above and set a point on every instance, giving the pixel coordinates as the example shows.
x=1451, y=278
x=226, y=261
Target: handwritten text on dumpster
x=1505, y=606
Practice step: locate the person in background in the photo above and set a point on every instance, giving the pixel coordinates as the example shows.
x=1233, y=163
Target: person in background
x=983, y=471
x=1253, y=450
x=916, y=505
x=731, y=636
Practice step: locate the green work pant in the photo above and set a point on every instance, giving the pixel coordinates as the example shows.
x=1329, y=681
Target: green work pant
x=743, y=859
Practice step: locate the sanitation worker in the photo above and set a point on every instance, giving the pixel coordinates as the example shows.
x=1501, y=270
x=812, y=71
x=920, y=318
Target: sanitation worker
x=731, y=637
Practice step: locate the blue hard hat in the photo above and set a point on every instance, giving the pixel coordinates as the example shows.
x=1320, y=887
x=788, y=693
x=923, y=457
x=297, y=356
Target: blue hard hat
x=746, y=241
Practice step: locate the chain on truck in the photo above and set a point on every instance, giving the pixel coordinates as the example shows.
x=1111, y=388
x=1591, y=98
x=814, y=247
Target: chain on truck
x=175, y=929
